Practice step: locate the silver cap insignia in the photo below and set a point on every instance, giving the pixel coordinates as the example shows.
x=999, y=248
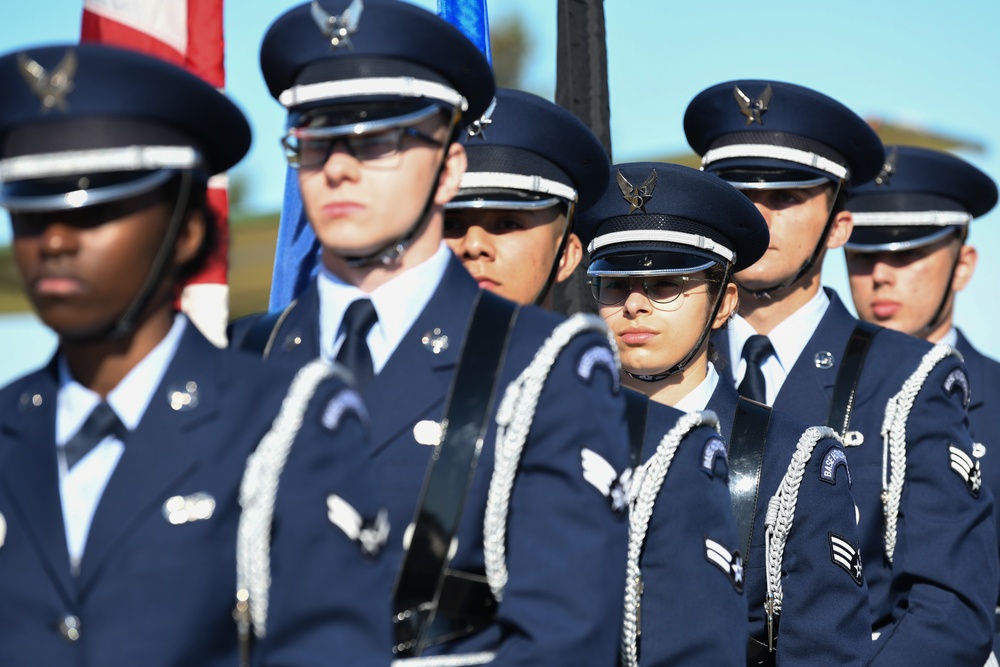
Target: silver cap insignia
x=637, y=196
x=338, y=29
x=753, y=109
x=51, y=88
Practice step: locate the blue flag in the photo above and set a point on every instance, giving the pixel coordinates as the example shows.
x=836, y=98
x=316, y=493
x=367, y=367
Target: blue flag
x=296, y=252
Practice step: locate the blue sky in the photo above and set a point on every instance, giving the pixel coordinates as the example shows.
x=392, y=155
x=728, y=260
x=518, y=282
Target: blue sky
x=931, y=64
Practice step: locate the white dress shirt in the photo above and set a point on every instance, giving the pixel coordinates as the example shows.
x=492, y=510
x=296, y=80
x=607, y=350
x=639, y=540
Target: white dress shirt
x=398, y=304
x=697, y=398
x=788, y=339
x=80, y=489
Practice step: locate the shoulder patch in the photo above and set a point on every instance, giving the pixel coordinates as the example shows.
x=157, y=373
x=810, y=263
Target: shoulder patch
x=966, y=468
x=958, y=381
x=345, y=401
x=730, y=562
x=603, y=477
x=598, y=356
x=832, y=460
x=715, y=449
x=847, y=557
x=371, y=535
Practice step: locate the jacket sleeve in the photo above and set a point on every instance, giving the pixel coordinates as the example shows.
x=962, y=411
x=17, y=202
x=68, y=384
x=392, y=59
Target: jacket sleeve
x=944, y=570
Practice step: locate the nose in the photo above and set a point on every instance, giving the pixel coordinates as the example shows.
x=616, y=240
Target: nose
x=636, y=302
x=882, y=271
x=340, y=165
x=58, y=238
x=477, y=243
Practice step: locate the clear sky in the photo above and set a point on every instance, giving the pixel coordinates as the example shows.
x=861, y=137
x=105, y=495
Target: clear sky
x=932, y=64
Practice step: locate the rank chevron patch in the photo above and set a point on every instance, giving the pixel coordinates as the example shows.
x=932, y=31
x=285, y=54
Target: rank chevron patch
x=846, y=556
x=967, y=469
x=371, y=536
x=603, y=477
x=730, y=562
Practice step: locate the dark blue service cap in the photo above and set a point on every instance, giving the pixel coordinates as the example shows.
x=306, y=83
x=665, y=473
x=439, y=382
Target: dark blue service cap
x=372, y=54
x=82, y=124
x=768, y=135
x=919, y=196
x=526, y=153
x=656, y=218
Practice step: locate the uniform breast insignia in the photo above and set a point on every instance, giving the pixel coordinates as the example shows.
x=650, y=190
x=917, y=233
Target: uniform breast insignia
x=427, y=432
x=338, y=29
x=183, y=398
x=833, y=459
x=28, y=401
x=978, y=450
x=715, y=449
x=595, y=357
x=371, y=535
x=347, y=401
x=846, y=556
x=603, y=477
x=730, y=562
x=51, y=88
x=185, y=509
x=823, y=360
x=435, y=341
x=753, y=109
x=854, y=439
x=637, y=195
x=957, y=381
x=967, y=469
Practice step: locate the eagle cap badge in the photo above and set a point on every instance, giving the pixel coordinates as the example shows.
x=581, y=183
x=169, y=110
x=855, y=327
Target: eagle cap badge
x=753, y=109
x=50, y=87
x=637, y=196
x=338, y=28
x=888, y=169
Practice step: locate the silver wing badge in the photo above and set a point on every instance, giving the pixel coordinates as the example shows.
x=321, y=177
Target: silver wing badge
x=753, y=109
x=338, y=29
x=888, y=168
x=478, y=127
x=51, y=88
x=637, y=196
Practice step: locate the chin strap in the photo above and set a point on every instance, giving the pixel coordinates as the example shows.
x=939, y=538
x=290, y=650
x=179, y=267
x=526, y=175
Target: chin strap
x=706, y=330
x=551, y=279
x=768, y=293
x=936, y=319
x=393, y=250
x=125, y=324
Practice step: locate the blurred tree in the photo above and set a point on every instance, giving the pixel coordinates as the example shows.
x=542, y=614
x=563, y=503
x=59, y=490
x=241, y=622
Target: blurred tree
x=509, y=44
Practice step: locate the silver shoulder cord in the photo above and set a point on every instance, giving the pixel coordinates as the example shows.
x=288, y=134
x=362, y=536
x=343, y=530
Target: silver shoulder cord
x=780, y=517
x=258, y=491
x=646, y=483
x=897, y=413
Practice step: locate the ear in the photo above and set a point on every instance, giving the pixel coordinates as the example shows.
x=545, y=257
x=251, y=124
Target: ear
x=572, y=254
x=730, y=302
x=190, y=238
x=840, y=230
x=455, y=163
x=964, y=268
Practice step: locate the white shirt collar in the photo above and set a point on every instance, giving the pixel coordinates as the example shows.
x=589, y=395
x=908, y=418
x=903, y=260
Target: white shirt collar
x=697, y=398
x=950, y=338
x=129, y=399
x=398, y=303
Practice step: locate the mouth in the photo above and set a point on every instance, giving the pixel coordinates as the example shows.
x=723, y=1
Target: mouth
x=637, y=336
x=341, y=209
x=57, y=286
x=885, y=309
x=486, y=283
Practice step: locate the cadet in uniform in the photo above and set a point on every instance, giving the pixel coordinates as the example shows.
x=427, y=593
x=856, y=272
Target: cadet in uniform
x=530, y=572
x=927, y=538
x=532, y=167
x=911, y=223
x=121, y=460
x=664, y=241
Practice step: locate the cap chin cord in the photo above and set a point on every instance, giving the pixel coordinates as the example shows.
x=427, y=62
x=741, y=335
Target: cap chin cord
x=393, y=250
x=126, y=322
x=767, y=293
x=705, y=332
x=936, y=319
x=551, y=279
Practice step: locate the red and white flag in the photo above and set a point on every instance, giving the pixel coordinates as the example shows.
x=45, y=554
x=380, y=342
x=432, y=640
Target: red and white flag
x=187, y=33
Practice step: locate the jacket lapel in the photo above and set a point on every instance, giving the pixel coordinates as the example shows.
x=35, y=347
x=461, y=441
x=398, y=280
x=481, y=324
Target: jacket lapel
x=163, y=449
x=416, y=379
x=297, y=340
x=30, y=474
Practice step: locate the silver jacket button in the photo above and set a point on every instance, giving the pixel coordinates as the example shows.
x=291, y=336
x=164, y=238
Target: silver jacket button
x=69, y=628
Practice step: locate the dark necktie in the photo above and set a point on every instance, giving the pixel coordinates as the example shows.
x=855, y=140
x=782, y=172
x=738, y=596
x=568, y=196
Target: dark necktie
x=101, y=423
x=354, y=352
x=755, y=351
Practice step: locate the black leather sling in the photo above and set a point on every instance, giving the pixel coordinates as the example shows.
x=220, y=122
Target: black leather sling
x=636, y=413
x=433, y=603
x=259, y=339
x=842, y=403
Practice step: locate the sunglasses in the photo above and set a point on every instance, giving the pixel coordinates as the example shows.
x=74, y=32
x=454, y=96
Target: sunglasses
x=613, y=290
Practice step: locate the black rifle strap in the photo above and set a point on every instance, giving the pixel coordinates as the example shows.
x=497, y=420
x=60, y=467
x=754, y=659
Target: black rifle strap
x=842, y=403
x=636, y=412
x=439, y=511
x=260, y=338
x=746, y=459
